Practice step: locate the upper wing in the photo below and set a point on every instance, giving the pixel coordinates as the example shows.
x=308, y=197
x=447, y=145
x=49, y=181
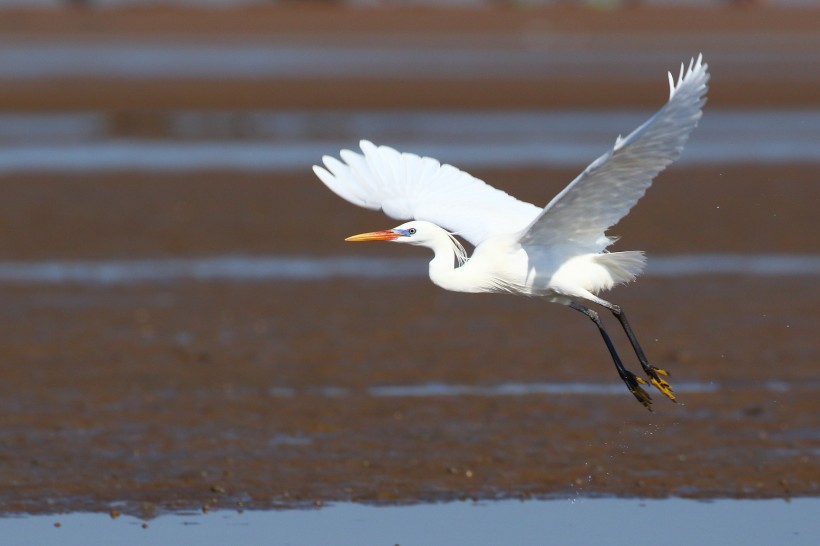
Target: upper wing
x=607, y=189
x=408, y=187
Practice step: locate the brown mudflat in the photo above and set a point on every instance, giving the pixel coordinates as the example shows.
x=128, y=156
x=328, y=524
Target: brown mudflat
x=183, y=394
x=260, y=395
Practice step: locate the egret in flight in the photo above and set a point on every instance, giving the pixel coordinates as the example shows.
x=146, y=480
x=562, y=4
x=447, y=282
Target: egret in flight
x=558, y=252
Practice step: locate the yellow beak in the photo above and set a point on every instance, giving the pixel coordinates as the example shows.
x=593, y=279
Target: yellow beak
x=385, y=235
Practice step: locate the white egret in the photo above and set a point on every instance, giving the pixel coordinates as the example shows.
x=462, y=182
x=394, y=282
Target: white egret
x=557, y=253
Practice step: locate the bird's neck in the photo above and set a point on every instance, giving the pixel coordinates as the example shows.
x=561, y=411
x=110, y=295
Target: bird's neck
x=444, y=267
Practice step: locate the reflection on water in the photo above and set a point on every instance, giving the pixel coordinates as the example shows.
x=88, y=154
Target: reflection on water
x=530, y=389
x=579, y=521
x=264, y=141
x=522, y=389
x=258, y=59
x=292, y=268
x=59, y=127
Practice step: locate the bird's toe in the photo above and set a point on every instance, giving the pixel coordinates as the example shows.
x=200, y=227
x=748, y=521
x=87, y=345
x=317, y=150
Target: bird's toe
x=633, y=383
x=660, y=383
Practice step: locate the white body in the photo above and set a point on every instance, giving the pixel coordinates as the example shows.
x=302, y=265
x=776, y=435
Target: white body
x=557, y=252
x=503, y=264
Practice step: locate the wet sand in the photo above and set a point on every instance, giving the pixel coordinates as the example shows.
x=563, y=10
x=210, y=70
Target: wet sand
x=227, y=394
x=177, y=395
x=726, y=208
x=255, y=395
x=252, y=395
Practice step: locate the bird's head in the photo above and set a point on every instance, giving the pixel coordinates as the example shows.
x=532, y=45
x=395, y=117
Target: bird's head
x=415, y=233
x=419, y=232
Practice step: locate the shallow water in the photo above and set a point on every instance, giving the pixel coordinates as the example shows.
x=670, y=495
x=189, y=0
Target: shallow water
x=162, y=58
x=266, y=141
x=572, y=521
x=570, y=388
x=293, y=268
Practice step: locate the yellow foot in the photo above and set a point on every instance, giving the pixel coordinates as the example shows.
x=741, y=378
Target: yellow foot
x=633, y=383
x=660, y=384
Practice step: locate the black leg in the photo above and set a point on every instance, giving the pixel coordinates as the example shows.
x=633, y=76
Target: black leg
x=651, y=371
x=632, y=381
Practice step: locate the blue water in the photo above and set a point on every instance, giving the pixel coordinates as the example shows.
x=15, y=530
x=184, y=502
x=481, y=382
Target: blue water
x=579, y=388
x=582, y=521
x=522, y=389
x=266, y=141
x=302, y=268
x=294, y=56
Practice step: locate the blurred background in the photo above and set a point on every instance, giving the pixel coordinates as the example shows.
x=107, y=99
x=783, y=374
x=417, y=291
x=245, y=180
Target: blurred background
x=179, y=309
x=171, y=93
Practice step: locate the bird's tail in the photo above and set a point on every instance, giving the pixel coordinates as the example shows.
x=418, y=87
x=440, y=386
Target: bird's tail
x=622, y=266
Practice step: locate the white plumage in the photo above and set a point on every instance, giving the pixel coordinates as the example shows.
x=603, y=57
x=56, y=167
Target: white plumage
x=558, y=252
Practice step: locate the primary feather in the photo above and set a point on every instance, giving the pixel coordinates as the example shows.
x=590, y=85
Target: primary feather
x=612, y=184
x=409, y=187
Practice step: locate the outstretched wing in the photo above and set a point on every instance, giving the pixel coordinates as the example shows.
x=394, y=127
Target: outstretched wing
x=605, y=192
x=408, y=187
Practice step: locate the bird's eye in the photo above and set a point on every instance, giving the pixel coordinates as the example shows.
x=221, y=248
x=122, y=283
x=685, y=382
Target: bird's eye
x=411, y=231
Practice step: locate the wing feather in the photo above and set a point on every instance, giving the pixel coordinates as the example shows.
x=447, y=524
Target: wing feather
x=409, y=187
x=612, y=184
x=406, y=186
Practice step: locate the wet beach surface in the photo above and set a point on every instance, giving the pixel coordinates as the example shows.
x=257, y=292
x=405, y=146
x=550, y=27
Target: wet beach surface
x=176, y=394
